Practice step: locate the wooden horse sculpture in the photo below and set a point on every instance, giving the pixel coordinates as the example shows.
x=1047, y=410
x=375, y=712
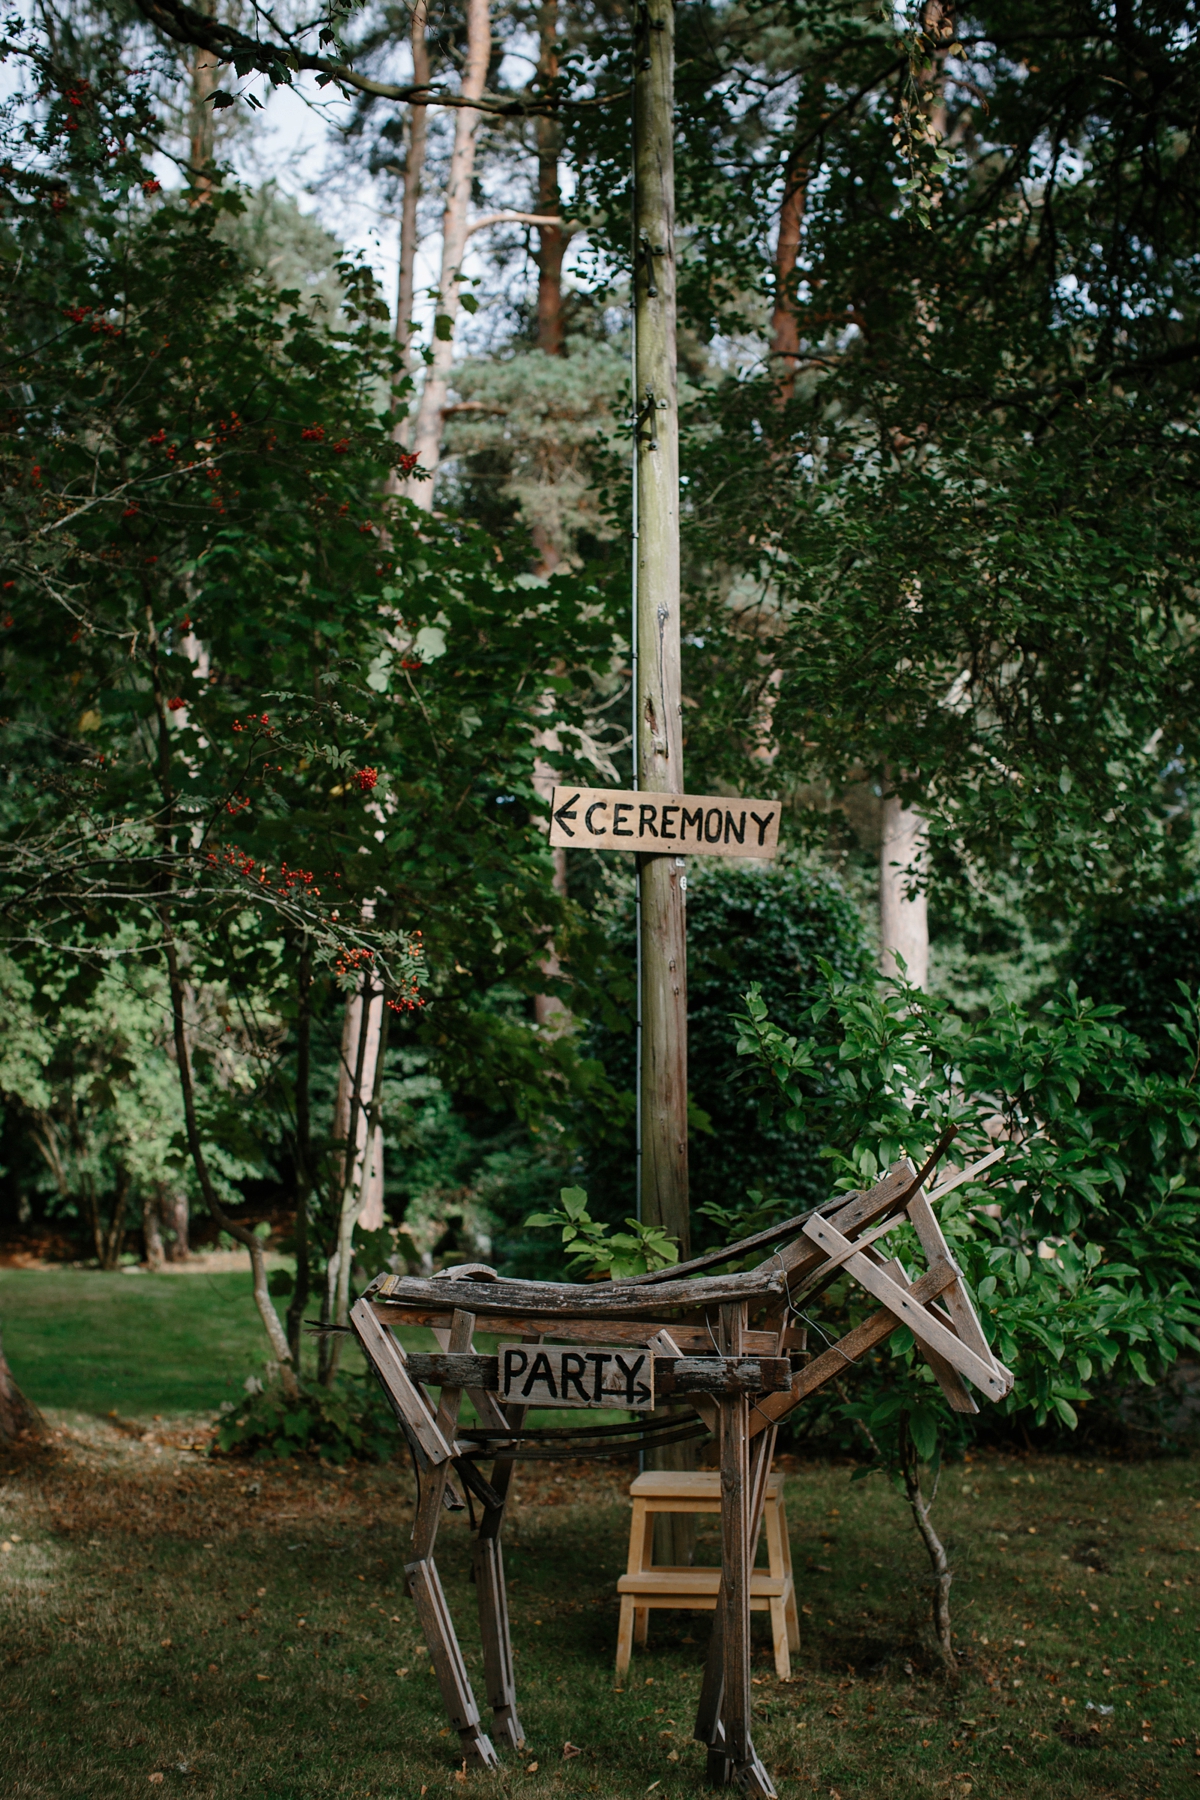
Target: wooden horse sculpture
x=724, y=1345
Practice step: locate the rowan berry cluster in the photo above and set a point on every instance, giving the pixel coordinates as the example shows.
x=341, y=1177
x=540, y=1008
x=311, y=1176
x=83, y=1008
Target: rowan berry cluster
x=409, y=1000
x=366, y=779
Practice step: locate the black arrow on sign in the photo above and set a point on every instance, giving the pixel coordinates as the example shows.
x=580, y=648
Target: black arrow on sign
x=562, y=815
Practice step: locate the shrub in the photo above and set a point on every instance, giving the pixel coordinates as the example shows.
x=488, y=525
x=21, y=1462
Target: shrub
x=351, y=1421
x=772, y=927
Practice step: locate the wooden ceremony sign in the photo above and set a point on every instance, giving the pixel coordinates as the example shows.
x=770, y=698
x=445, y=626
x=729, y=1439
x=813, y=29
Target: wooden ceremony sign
x=698, y=824
x=726, y=1341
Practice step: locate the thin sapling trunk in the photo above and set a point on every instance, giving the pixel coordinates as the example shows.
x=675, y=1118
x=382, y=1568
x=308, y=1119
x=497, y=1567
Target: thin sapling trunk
x=921, y=1507
x=427, y=435
x=295, y=1312
x=414, y=168
x=348, y=1192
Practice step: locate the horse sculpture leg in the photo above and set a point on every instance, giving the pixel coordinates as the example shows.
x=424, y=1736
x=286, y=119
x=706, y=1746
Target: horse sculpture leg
x=425, y=1586
x=493, y=1614
x=723, y=1719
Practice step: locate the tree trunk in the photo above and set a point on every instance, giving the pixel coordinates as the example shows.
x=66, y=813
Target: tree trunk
x=903, y=915
x=552, y=244
x=935, y=1549
x=295, y=1312
x=173, y=1209
x=156, y=1256
x=360, y=1051
x=414, y=167
x=552, y=240
x=785, y=330
x=205, y=73
x=114, y=1235
x=427, y=436
x=659, y=748
x=363, y=1127
x=548, y=1009
x=17, y=1415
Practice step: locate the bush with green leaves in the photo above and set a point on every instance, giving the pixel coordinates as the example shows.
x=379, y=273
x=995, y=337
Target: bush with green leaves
x=1090, y=1269
x=351, y=1421
x=1080, y=1246
x=775, y=926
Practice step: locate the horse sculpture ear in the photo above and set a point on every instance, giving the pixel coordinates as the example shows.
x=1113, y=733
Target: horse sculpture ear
x=467, y=1272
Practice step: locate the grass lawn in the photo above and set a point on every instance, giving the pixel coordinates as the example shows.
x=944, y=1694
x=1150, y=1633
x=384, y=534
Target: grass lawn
x=240, y=1630
x=174, y=1345
x=245, y=1630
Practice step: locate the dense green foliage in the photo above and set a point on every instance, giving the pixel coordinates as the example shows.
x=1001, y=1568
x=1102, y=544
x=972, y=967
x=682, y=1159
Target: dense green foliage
x=351, y=1421
x=774, y=926
x=1080, y=1245
x=256, y=709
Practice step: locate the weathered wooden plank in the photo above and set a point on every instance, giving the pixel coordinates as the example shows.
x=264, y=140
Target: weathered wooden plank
x=424, y=1584
x=709, y=1727
x=723, y=1375
x=672, y=1375
x=800, y=1258
x=957, y=1393
x=956, y=1300
x=991, y=1377
x=838, y=1359
x=565, y=1300
x=971, y=1172
x=499, y=1677
x=664, y=1345
x=693, y=1338
x=713, y=1259
x=432, y=1491
x=387, y=1359
x=735, y=1556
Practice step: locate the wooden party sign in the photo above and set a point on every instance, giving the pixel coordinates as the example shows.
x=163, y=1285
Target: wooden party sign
x=533, y=1375
x=698, y=824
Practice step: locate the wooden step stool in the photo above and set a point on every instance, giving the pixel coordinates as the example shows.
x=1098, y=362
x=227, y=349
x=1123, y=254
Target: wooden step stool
x=647, y=1585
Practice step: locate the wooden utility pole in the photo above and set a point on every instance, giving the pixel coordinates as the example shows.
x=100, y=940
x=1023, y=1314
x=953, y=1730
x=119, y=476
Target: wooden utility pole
x=659, y=722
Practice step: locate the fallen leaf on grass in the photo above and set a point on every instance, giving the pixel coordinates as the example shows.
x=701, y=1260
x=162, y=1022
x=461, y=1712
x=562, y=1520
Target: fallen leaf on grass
x=157, y=1776
x=530, y=1769
x=262, y=1678
x=570, y=1750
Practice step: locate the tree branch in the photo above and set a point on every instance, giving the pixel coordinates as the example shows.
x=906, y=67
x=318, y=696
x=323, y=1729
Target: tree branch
x=184, y=25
